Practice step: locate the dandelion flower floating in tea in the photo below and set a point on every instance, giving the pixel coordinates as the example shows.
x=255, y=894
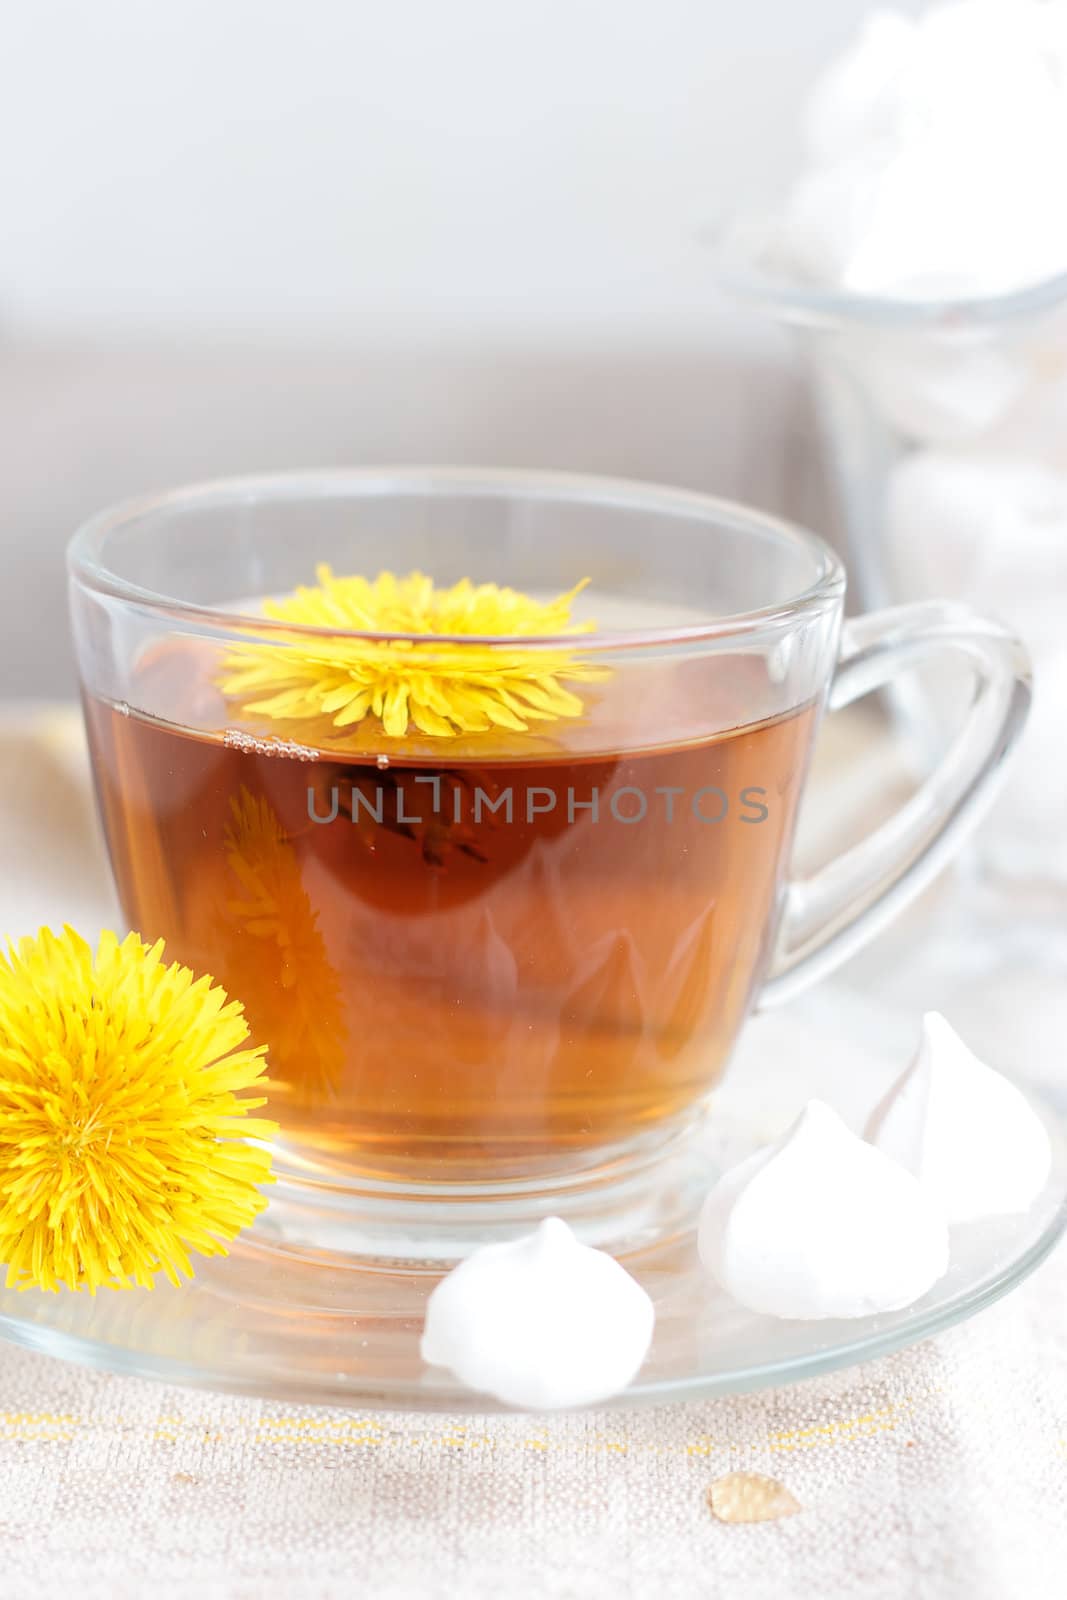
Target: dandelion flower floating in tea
x=442, y=688
x=122, y=1115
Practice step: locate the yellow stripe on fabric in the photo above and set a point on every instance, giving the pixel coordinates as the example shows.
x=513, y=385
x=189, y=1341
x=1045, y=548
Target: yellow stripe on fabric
x=372, y=1432
x=843, y=1431
x=27, y=1426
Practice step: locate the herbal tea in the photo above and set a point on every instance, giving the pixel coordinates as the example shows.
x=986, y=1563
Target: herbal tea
x=463, y=968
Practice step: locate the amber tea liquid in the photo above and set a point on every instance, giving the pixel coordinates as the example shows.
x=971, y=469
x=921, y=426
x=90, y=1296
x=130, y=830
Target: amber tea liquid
x=464, y=969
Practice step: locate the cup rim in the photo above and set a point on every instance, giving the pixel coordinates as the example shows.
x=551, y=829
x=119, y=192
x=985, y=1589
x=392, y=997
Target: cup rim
x=88, y=569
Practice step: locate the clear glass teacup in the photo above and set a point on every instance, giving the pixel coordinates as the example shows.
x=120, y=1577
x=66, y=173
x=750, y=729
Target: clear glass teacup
x=498, y=894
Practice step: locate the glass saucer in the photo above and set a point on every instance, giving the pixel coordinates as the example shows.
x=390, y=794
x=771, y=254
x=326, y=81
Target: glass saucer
x=292, y=1325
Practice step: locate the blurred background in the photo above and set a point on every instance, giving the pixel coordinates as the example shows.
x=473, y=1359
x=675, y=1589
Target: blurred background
x=251, y=235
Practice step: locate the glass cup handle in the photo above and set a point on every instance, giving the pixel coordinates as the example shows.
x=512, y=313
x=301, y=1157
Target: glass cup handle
x=827, y=917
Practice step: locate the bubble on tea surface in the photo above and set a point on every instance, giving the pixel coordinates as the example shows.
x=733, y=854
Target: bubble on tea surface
x=252, y=744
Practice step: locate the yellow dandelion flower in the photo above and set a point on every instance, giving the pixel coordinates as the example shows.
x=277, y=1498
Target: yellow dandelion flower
x=121, y=1115
x=443, y=688
x=276, y=958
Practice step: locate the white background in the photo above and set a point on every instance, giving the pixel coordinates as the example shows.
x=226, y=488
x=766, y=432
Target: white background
x=407, y=166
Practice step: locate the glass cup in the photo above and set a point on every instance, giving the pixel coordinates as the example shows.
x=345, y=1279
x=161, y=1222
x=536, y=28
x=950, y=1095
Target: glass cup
x=499, y=947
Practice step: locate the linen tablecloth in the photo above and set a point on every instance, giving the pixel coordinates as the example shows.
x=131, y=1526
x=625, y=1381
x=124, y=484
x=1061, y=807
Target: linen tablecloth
x=939, y=1472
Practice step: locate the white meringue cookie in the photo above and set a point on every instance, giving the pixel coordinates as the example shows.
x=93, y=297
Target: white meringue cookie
x=821, y=1224
x=541, y=1322
x=963, y=1130
x=911, y=188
